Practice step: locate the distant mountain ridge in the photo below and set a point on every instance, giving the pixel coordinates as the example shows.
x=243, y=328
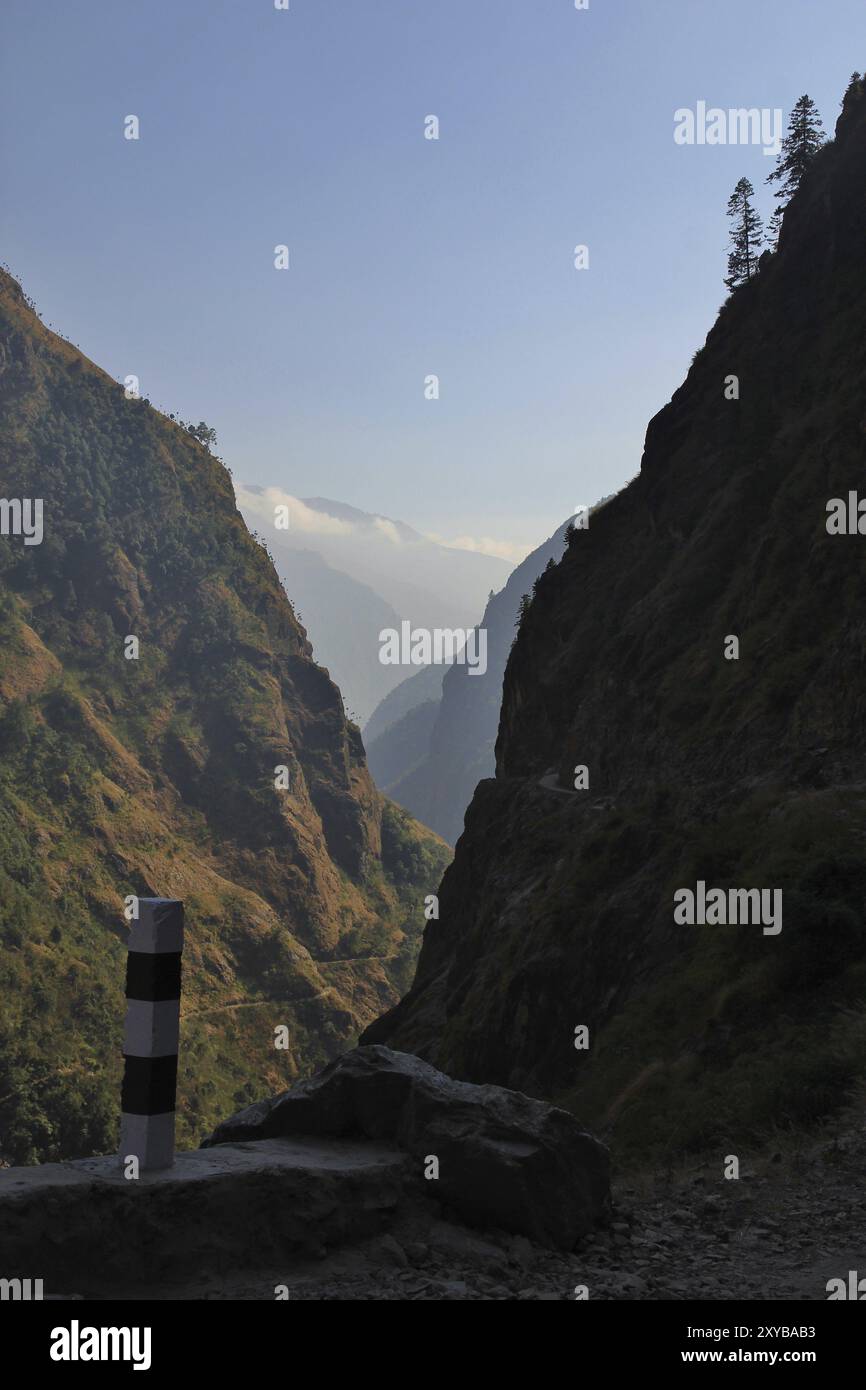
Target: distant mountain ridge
x=369, y=520
x=425, y=686
x=428, y=584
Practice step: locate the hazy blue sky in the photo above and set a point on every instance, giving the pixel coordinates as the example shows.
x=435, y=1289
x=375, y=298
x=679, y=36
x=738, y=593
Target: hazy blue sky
x=408, y=256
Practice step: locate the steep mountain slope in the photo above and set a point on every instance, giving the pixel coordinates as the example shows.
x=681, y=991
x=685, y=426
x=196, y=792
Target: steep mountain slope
x=422, y=688
x=558, y=909
x=403, y=747
x=431, y=762
x=156, y=775
x=343, y=619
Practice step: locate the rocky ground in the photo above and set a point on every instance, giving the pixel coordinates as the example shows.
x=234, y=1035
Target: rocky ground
x=778, y=1232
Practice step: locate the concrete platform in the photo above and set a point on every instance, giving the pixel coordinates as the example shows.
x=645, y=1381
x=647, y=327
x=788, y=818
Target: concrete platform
x=83, y=1228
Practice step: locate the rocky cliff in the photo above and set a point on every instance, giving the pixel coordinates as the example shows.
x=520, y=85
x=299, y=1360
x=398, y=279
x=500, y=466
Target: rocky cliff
x=558, y=912
x=153, y=679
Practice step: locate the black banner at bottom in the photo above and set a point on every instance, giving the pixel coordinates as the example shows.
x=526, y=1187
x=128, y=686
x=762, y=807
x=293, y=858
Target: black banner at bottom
x=82, y=1338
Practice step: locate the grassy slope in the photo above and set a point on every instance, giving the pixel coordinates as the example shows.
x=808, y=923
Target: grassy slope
x=156, y=776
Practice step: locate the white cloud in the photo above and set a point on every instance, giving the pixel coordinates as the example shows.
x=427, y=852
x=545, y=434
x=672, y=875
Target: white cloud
x=301, y=517
x=513, y=551
x=259, y=507
x=387, y=528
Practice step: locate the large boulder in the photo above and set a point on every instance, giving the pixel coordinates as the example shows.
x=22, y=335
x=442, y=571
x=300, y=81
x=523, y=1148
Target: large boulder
x=504, y=1159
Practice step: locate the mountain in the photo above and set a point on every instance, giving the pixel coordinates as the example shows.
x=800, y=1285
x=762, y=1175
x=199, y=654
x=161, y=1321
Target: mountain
x=152, y=772
x=448, y=586
x=427, y=584
x=749, y=773
x=401, y=750
x=425, y=687
x=431, y=762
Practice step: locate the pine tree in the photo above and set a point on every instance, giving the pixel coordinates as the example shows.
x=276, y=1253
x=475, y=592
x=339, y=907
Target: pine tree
x=799, y=147
x=522, y=609
x=747, y=235
x=775, y=228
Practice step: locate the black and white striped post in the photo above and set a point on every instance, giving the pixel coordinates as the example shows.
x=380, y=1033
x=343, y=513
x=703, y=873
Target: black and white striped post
x=152, y=1034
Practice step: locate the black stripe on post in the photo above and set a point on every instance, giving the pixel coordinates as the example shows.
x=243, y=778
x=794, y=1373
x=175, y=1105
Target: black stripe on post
x=152, y=977
x=149, y=1085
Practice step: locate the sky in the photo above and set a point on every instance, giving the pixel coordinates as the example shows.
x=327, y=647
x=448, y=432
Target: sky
x=408, y=257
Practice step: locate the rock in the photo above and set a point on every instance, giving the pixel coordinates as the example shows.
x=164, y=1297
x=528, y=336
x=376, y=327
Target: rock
x=457, y=1242
x=417, y=1252
x=627, y=1285
x=521, y=1252
x=454, y=1288
x=504, y=1159
x=391, y=1252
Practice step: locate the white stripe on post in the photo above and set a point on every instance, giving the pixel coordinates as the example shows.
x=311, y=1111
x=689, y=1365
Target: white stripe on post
x=152, y=1034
